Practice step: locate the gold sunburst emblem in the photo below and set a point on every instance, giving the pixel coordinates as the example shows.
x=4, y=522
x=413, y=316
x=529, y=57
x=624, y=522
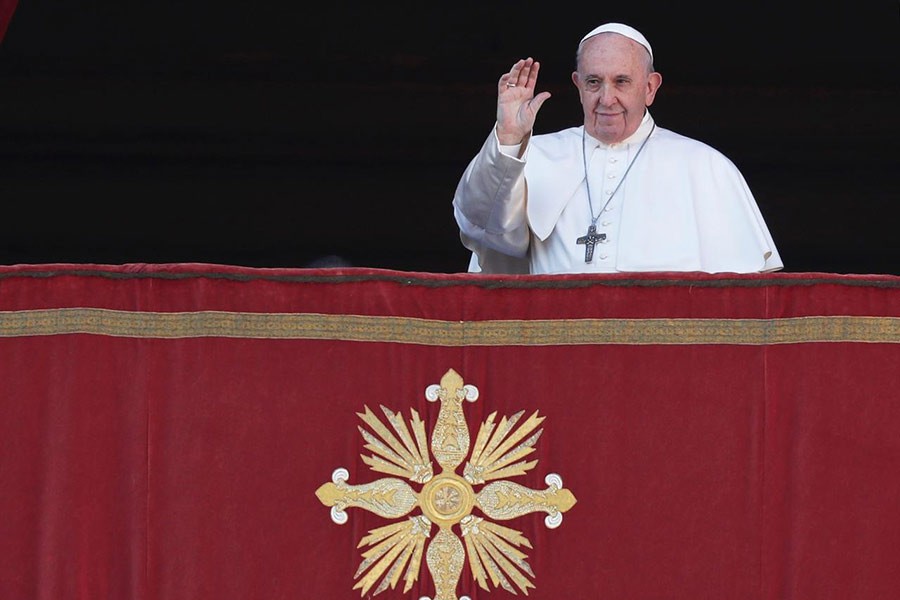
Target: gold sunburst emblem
x=447, y=499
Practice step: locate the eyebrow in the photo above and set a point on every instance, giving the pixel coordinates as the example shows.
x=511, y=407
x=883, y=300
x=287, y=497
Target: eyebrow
x=618, y=77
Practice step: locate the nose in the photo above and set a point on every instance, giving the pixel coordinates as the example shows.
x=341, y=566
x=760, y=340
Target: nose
x=606, y=95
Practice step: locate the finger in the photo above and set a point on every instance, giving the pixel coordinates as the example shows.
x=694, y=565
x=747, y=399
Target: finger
x=532, y=75
x=516, y=76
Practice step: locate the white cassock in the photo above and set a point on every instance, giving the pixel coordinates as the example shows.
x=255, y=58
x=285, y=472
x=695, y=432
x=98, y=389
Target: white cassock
x=683, y=206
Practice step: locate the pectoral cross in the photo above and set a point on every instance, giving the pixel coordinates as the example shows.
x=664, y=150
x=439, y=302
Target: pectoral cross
x=590, y=240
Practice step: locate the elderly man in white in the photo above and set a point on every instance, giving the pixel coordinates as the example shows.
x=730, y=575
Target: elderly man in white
x=617, y=194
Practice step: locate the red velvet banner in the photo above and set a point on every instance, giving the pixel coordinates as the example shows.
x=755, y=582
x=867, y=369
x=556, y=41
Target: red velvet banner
x=176, y=432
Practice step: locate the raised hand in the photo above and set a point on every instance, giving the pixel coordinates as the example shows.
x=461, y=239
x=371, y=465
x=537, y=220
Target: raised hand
x=517, y=104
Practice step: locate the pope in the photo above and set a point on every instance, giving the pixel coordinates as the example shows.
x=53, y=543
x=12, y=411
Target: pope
x=615, y=194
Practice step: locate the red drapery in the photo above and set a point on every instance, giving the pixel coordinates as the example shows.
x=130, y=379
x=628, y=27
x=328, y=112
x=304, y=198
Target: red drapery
x=164, y=428
x=7, y=8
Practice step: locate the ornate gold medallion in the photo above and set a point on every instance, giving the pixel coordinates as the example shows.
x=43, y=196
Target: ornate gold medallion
x=447, y=499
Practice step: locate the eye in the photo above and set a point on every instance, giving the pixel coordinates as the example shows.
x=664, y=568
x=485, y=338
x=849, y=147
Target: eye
x=591, y=84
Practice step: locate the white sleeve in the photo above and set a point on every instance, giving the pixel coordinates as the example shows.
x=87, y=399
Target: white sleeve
x=489, y=204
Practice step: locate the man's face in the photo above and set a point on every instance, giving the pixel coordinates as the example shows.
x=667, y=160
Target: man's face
x=615, y=85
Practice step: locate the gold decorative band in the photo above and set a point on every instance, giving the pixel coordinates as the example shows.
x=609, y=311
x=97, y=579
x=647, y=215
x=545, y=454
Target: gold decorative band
x=406, y=330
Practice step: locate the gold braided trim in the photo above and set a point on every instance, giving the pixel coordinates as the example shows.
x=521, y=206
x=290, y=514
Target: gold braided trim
x=430, y=332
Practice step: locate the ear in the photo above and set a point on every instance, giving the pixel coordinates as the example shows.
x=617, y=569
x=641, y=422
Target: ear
x=575, y=81
x=654, y=80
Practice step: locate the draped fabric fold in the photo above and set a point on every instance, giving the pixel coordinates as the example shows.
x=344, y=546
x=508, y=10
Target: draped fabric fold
x=7, y=8
x=176, y=431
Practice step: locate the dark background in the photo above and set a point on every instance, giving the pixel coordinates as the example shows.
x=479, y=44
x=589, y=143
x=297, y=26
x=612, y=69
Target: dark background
x=273, y=133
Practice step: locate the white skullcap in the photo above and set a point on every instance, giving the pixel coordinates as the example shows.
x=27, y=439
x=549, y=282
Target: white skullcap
x=629, y=32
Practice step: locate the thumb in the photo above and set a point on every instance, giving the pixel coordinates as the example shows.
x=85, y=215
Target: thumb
x=538, y=101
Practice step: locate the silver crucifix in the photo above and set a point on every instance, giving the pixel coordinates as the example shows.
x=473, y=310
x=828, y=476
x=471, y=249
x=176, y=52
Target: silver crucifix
x=590, y=240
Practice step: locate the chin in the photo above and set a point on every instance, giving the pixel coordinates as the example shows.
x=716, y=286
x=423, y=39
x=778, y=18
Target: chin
x=606, y=136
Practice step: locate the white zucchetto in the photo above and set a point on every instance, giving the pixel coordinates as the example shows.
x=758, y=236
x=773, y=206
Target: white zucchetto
x=627, y=31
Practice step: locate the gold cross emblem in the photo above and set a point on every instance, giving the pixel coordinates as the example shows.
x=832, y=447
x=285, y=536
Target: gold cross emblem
x=448, y=498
